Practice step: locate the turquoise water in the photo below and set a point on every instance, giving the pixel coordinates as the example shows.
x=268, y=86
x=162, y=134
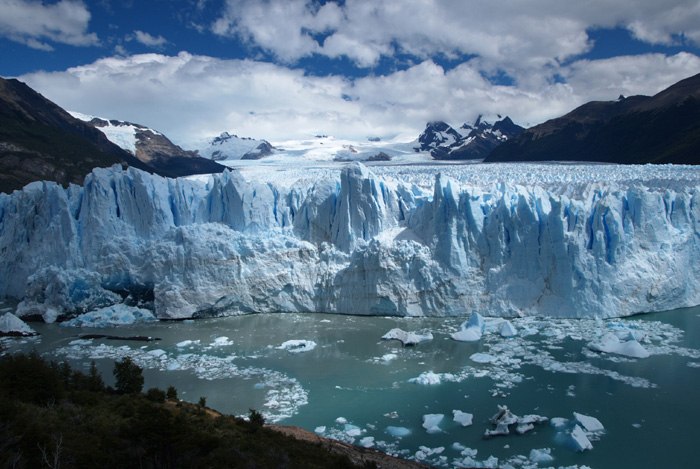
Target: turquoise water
x=356, y=385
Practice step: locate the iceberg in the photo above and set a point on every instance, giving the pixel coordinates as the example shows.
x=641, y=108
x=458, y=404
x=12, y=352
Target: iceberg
x=610, y=343
x=115, y=315
x=430, y=241
x=11, y=325
x=398, y=432
x=407, y=338
x=297, y=346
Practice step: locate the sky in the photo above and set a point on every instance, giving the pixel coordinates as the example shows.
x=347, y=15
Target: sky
x=290, y=69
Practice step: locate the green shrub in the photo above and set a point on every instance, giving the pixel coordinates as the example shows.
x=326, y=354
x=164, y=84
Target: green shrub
x=155, y=395
x=171, y=393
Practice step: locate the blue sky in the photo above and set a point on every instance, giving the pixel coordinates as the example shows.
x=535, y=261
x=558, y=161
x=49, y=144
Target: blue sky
x=281, y=69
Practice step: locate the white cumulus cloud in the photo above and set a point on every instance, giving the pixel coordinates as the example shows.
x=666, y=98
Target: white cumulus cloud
x=148, y=40
x=190, y=97
x=37, y=24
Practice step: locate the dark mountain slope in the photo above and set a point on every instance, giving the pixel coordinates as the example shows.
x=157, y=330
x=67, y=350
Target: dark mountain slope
x=661, y=129
x=41, y=141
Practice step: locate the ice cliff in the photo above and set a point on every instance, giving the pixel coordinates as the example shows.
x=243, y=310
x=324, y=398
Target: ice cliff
x=350, y=243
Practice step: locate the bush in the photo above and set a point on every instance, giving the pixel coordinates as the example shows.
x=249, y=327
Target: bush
x=129, y=376
x=155, y=395
x=202, y=402
x=256, y=418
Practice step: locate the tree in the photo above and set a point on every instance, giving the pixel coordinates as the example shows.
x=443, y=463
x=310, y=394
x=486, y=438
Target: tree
x=171, y=393
x=129, y=376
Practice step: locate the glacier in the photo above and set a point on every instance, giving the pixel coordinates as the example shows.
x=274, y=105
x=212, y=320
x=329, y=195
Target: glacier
x=512, y=241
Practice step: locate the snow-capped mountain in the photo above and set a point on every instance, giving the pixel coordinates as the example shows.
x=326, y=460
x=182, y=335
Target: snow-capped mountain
x=151, y=147
x=470, y=142
x=412, y=242
x=232, y=147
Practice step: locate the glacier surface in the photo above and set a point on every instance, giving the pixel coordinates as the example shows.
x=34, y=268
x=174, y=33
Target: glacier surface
x=502, y=240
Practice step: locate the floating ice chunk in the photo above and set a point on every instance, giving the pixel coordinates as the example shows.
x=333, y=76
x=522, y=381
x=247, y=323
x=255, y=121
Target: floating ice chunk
x=462, y=418
x=590, y=424
x=158, y=353
x=79, y=342
x=398, y=431
x=508, y=330
x=578, y=439
x=186, y=343
x=341, y=420
x=320, y=430
x=352, y=430
x=12, y=325
x=115, y=315
x=389, y=357
x=431, y=422
x=610, y=343
x=483, y=358
x=297, y=346
x=467, y=333
x=407, y=338
x=427, y=378
x=221, y=341
x=559, y=423
x=505, y=418
x=543, y=455
x=425, y=452
x=367, y=442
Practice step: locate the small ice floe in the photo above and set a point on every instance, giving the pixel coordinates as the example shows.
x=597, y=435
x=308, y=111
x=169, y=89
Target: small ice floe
x=611, y=343
x=367, y=442
x=462, y=418
x=407, y=338
x=431, y=422
x=471, y=330
x=341, y=420
x=11, y=325
x=483, y=358
x=352, y=430
x=505, y=418
x=578, y=433
x=320, y=430
x=398, y=432
x=297, y=346
x=115, y=315
x=424, y=452
x=543, y=455
x=428, y=378
x=221, y=341
x=186, y=343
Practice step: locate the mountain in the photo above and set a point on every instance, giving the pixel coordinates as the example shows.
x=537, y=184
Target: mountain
x=41, y=141
x=471, y=142
x=547, y=243
x=152, y=147
x=232, y=147
x=664, y=128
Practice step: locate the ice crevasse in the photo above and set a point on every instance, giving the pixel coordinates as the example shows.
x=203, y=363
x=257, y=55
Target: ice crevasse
x=352, y=242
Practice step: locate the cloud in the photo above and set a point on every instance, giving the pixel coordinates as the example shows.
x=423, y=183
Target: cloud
x=35, y=24
x=147, y=40
x=190, y=97
x=508, y=35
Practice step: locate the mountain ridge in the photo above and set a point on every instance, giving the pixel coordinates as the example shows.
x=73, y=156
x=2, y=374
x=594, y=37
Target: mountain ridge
x=660, y=129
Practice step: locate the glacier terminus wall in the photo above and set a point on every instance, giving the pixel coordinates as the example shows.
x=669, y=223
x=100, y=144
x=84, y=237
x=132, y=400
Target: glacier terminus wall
x=380, y=242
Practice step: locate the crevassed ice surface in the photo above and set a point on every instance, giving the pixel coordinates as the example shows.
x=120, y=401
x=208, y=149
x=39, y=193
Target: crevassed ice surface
x=440, y=240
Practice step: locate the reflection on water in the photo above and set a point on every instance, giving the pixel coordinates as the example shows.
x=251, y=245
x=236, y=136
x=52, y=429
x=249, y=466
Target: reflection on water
x=357, y=387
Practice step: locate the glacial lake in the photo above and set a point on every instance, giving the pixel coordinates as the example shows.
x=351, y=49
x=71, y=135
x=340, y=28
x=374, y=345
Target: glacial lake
x=354, y=386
